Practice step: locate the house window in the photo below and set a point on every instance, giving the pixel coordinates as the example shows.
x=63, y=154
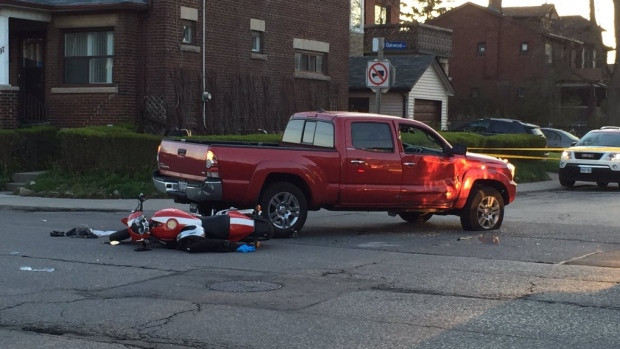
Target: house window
x=381, y=14
x=475, y=92
x=520, y=92
x=482, y=48
x=549, y=53
x=523, y=48
x=313, y=62
x=189, y=30
x=257, y=41
x=89, y=57
x=594, y=59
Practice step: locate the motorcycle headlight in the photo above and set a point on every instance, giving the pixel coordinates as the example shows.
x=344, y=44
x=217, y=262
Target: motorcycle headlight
x=140, y=225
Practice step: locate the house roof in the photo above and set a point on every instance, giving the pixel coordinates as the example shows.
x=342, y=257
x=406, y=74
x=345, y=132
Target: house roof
x=409, y=70
x=571, y=28
x=576, y=27
x=546, y=10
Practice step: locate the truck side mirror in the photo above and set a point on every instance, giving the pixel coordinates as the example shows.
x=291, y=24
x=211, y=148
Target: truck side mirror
x=459, y=149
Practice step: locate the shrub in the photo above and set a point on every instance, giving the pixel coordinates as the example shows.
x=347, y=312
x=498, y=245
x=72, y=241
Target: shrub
x=106, y=150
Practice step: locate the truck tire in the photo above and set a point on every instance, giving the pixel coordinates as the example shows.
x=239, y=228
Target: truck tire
x=484, y=209
x=415, y=217
x=120, y=235
x=285, y=206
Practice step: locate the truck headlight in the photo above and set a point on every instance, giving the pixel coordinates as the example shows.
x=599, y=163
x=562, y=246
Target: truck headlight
x=614, y=157
x=566, y=155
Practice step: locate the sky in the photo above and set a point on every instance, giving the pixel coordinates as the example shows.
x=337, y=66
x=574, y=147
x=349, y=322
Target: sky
x=604, y=13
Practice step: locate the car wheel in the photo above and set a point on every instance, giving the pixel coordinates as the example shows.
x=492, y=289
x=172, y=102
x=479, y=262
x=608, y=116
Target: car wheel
x=285, y=206
x=567, y=183
x=484, y=210
x=415, y=217
x=120, y=235
x=602, y=184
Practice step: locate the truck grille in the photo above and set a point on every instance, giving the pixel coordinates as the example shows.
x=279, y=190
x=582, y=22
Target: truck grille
x=588, y=156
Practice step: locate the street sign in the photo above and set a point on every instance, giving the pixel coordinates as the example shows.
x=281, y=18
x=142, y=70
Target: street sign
x=378, y=74
x=395, y=45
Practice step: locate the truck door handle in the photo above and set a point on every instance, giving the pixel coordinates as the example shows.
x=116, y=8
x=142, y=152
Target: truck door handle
x=182, y=152
x=409, y=164
x=358, y=162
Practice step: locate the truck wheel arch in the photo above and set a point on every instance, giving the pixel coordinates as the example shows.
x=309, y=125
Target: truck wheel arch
x=284, y=177
x=477, y=183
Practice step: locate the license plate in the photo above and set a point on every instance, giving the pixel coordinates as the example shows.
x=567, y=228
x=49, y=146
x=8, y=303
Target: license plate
x=585, y=170
x=182, y=185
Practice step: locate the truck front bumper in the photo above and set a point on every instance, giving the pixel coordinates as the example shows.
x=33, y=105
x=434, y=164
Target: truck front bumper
x=209, y=190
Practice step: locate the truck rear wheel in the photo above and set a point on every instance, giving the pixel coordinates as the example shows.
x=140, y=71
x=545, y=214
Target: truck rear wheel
x=484, y=210
x=285, y=206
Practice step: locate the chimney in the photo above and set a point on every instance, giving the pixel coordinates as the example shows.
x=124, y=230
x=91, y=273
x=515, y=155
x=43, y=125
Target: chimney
x=495, y=5
x=592, y=16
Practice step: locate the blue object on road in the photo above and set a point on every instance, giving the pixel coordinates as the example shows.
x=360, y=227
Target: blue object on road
x=246, y=248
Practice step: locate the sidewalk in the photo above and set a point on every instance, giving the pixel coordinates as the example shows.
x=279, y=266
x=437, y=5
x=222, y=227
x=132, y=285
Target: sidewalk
x=16, y=202
x=10, y=201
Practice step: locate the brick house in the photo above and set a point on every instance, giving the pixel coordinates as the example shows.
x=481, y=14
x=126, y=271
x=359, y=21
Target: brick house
x=526, y=63
x=73, y=63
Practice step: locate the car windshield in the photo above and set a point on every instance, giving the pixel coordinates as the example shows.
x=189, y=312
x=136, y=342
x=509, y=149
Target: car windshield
x=600, y=139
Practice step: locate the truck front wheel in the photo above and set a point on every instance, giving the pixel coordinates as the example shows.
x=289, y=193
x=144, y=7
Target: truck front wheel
x=484, y=210
x=285, y=206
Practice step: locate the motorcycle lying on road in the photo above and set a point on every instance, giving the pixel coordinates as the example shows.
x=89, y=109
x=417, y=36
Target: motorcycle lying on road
x=225, y=231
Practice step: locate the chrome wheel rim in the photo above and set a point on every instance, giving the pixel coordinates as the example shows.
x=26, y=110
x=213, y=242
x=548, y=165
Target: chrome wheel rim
x=488, y=212
x=283, y=210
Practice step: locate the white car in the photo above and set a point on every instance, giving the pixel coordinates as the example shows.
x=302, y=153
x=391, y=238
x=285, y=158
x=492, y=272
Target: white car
x=557, y=138
x=595, y=158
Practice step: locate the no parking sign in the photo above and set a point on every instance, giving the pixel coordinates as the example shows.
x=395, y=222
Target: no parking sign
x=378, y=74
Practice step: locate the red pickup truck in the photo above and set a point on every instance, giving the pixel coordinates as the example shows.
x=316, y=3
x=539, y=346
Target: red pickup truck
x=340, y=161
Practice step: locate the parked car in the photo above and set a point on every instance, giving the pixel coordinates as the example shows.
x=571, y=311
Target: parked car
x=493, y=126
x=594, y=158
x=557, y=138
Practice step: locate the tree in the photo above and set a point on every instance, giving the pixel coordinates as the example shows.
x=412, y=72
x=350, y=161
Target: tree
x=423, y=10
x=613, y=96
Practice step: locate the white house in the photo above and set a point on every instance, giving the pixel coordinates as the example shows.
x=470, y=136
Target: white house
x=419, y=91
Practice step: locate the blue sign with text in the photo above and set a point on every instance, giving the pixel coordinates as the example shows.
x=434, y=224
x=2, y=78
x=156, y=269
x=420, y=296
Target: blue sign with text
x=395, y=45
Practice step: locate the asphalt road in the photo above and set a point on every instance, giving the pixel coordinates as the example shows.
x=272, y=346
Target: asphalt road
x=548, y=279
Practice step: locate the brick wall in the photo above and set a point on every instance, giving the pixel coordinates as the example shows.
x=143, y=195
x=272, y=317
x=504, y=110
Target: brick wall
x=248, y=92
x=76, y=108
x=152, y=65
x=393, y=7
x=8, y=107
x=501, y=70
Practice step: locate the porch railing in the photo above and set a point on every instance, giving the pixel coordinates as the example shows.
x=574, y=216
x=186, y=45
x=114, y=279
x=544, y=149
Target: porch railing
x=32, y=110
x=417, y=37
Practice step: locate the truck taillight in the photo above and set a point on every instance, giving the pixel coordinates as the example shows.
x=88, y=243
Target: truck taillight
x=213, y=170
